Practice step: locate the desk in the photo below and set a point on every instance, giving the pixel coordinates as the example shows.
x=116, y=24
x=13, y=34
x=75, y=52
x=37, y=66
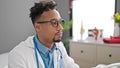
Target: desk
x=89, y=54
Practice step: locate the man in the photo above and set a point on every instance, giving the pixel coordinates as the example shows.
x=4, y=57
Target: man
x=45, y=49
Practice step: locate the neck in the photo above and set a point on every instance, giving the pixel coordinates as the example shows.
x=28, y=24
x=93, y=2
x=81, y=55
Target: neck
x=46, y=43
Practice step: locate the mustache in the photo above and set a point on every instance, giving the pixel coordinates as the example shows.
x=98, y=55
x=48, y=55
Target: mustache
x=59, y=32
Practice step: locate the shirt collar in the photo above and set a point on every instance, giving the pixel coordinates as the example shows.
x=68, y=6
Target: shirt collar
x=43, y=49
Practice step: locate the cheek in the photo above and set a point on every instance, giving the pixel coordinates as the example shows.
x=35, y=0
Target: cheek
x=50, y=33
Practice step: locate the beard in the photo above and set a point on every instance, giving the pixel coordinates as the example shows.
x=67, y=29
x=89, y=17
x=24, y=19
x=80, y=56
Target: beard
x=56, y=40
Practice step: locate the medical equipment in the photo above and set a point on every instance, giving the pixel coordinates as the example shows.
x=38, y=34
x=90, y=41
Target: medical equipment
x=36, y=55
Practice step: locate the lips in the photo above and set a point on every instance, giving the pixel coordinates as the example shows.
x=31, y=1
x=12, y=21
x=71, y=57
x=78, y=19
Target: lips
x=59, y=34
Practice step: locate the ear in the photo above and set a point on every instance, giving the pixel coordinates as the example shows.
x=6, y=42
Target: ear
x=37, y=27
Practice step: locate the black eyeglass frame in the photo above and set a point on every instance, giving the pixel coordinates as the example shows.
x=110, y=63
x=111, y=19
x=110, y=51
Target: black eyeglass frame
x=54, y=22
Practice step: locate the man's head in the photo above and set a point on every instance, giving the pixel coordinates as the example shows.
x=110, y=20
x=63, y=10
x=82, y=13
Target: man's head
x=46, y=20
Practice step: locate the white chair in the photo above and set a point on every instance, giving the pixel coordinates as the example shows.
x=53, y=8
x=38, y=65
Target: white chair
x=4, y=60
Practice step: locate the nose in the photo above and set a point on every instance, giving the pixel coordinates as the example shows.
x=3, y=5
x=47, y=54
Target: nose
x=60, y=27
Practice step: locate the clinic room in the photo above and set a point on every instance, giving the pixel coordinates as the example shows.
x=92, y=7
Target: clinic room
x=70, y=33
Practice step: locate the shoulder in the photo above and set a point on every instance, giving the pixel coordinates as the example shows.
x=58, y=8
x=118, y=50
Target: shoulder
x=22, y=46
x=23, y=49
x=22, y=54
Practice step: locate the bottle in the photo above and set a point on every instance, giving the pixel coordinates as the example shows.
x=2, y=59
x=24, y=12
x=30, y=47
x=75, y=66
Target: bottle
x=82, y=30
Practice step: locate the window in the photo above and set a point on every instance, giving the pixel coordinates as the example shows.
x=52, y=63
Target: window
x=93, y=13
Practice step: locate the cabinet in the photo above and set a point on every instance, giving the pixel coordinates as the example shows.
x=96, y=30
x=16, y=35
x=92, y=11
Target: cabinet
x=89, y=54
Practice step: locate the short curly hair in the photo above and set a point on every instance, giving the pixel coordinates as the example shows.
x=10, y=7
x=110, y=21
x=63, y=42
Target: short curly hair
x=40, y=7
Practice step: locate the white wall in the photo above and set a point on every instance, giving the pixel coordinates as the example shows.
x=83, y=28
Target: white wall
x=15, y=24
x=93, y=13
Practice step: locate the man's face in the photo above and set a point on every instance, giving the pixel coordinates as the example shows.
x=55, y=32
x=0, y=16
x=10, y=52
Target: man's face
x=50, y=31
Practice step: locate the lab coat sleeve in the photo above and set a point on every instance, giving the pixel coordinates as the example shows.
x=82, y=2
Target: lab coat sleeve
x=68, y=62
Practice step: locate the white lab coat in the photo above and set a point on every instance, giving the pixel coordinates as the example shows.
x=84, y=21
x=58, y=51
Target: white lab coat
x=23, y=56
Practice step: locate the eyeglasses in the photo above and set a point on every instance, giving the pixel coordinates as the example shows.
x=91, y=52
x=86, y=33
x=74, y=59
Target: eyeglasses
x=54, y=22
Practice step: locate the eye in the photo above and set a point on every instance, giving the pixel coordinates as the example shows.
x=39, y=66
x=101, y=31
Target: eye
x=53, y=21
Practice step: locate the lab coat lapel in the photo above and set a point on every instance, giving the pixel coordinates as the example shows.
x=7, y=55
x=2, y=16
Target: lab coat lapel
x=41, y=63
x=56, y=59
